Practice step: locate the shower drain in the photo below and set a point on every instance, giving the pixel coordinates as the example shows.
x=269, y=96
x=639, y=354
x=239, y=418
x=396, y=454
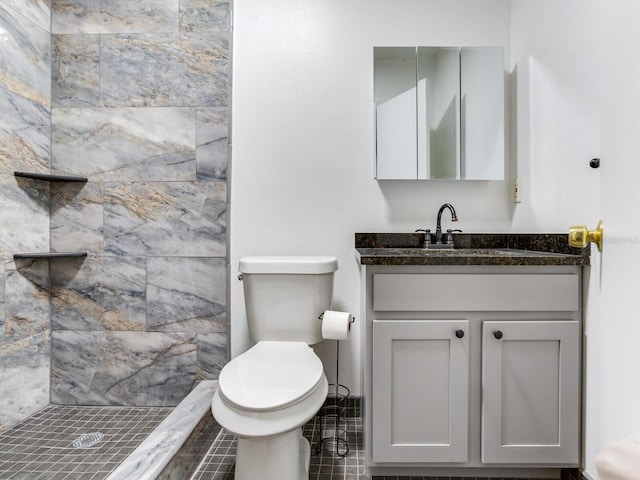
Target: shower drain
x=87, y=440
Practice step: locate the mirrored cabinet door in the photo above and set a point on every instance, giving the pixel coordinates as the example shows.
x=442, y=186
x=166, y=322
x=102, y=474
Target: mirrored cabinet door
x=395, y=100
x=482, y=113
x=438, y=106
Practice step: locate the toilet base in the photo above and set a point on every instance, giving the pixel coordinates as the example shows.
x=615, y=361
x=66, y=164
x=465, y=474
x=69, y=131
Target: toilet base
x=283, y=457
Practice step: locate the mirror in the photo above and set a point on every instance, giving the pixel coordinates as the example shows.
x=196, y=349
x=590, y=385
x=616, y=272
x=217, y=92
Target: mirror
x=439, y=113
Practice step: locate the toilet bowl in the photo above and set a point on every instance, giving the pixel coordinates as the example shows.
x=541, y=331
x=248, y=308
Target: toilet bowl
x=264, y=397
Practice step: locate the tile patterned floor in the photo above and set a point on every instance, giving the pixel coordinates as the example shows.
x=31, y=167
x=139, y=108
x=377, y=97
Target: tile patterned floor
x=325, y=463
x=41, y=447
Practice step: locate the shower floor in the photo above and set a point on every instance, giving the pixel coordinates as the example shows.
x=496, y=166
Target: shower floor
x=41, y=447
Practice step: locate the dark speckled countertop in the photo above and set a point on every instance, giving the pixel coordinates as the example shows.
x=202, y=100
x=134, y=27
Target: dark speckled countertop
x=470, y=249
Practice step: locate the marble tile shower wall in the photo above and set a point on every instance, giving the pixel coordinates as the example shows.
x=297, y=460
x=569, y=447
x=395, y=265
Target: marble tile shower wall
x=140, y=93
x=25, y=126
x=139, y=106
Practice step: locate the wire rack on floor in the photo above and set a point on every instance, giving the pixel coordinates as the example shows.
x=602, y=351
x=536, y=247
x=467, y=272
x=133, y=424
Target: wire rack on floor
x=332, y=424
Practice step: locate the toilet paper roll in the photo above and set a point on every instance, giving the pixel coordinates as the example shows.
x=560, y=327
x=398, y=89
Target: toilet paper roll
x=336, y=325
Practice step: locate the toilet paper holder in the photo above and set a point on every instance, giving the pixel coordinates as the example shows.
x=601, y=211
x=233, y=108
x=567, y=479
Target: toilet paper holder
x=353, y=319
x=338, y=437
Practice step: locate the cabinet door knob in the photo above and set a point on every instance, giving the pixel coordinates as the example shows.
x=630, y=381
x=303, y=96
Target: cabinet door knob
x=459, y=333
x=497, y=334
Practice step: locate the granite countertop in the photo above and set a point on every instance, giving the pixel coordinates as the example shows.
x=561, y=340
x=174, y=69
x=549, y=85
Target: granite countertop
x=470, y=249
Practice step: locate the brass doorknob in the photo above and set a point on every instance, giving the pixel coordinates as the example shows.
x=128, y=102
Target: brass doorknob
x=580, y=236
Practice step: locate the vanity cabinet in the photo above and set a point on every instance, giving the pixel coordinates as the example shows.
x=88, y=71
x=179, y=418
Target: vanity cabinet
x=471, y=368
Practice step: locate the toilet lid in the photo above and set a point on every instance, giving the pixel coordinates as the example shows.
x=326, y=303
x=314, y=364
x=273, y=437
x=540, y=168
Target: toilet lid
x=271, y=375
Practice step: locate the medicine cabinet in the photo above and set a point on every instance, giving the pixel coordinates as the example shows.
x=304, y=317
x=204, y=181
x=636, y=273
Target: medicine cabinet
x=439, y=113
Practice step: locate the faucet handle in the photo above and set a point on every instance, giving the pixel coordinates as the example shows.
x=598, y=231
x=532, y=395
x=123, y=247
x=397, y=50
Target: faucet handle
x=427, y=236
x=450, y=235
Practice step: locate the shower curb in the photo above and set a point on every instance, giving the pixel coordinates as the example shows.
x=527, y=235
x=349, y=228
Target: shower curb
x=150, y=460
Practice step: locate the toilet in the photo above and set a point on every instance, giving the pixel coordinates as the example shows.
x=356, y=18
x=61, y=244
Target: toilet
x=268, y=393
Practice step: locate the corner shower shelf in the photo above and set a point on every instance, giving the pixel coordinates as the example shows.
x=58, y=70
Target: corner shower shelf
x=49, y=178
x=46, y=177
x=49, y=255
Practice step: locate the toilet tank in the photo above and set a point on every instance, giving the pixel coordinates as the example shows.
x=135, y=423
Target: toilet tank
x=284, y=296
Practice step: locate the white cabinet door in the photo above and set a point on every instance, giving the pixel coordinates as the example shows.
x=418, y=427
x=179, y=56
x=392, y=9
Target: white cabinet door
x=531, y=392
x=420, y=391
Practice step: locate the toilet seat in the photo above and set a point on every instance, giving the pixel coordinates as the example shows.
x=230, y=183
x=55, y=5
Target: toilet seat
x=270, y=376
x=250, y=410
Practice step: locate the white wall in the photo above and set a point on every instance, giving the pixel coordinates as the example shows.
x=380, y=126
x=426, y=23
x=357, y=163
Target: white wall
x=302, y=125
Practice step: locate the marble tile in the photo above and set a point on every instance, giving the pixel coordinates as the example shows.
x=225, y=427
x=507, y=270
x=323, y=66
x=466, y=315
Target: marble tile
x=24, y=216
x=24, y=378
x=114, y=16
x=186, y=294
x=25, y=134
x=77, y=217
x=186, y=462
x=3, y=278
x=212, y=355
x=165, y=219
x=212, y=143
x=211, y=15
x=26, y=299
x=25, y=57
x=122, y=368
x=163, y=70
x=37, y=11
x=75, y=71
x=125, y=144
x=98, y=293
x=151, y=457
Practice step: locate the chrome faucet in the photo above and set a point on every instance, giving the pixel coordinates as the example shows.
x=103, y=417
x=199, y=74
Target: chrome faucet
x=454, y=218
